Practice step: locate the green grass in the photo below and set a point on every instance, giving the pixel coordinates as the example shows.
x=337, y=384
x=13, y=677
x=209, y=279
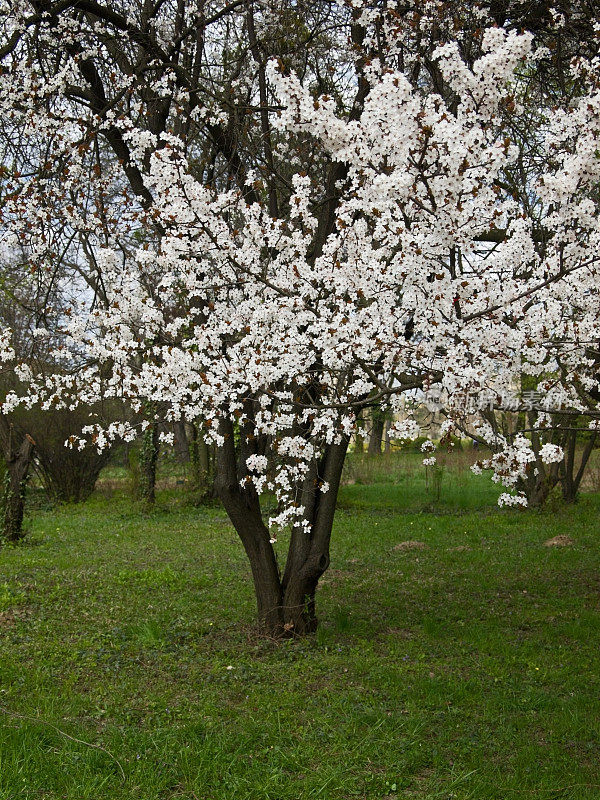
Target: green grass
x=399, y=482
x=468, y=668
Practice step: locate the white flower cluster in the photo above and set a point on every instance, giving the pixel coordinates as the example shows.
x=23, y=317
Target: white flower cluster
x=215, y=308
x=512, y=462
x=551, y=453
x=7, y=352
x=506, y=499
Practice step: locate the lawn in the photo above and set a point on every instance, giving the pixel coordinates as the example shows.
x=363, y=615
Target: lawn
x=463, y=666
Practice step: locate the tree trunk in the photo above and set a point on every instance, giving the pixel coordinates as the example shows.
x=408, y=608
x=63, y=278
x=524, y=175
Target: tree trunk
x=569, y=478
x=376, y=438
x=17, y=466
x=200, y=463
x=148, y=462
x=308, y=555
x=182, y=447
x=243, y=509
x=244, y=513
x=285, y=605
x=537, y=488
x=538, y=493
x=359, y=439
x=541, y=478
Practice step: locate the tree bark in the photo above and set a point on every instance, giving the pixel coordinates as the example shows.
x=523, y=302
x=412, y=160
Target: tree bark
x=538, y=493
x=285, y=605
x=570, y=479
x=308, y=555
x=387, y=440
x=148, y=462
x=243, y=509
x=200, y=463
x=182, y=447
x=376, y=437
x=17, y=466
x=359, y=439
x=537, y=488
x=541, y=478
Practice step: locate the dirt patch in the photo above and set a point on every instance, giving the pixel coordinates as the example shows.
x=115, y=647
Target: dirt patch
x=401, y=633
x=461, y=548
x=562, y=540
x=411, y=545
x=10, y=617
x=7, y=618
x=334, y=577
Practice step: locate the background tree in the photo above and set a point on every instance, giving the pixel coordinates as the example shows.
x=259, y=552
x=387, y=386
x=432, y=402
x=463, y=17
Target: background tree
x=18, y=464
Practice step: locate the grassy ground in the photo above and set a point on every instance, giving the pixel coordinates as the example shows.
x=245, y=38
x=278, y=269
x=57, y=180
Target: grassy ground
x=466, y=666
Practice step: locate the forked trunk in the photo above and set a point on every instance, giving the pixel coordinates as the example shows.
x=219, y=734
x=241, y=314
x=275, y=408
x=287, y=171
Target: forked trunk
x=285, y=605
x=244, y=514
x=570, y=476
x=242, y=505
x=308, y=555
x=537, y=488
x=541, y=478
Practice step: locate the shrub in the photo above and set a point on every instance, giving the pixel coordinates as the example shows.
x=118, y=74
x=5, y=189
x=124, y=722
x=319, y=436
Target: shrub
x=67, y=474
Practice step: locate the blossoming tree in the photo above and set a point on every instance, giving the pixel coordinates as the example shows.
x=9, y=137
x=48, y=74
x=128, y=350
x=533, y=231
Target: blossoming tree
x=357, y=241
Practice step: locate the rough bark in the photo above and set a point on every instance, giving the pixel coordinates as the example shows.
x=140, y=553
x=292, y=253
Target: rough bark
x=570, y=475
x=285, y=604
x=538, y=492
x=537, y=488
x=308, y=555
x=242, y=506
x=18, y=463
x=376, y=437
x=182, y=446
x=359, y=439
x=200, y=463
x=541, y=478
x=148, y=462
